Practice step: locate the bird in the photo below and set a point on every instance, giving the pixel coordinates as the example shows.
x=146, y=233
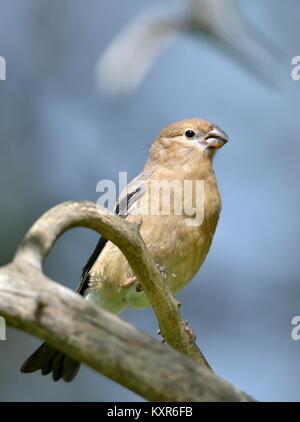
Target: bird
x=126, y=60
x=177, y=227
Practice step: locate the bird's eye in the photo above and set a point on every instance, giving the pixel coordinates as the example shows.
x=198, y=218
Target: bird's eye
x=190, y=134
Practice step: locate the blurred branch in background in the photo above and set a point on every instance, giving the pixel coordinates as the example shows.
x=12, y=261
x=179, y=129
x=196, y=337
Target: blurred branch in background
x=32, y=302
x=125, y=62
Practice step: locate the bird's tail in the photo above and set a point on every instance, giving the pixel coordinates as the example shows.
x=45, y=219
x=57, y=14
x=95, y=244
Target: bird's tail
x=50, y=360
x=47, y=359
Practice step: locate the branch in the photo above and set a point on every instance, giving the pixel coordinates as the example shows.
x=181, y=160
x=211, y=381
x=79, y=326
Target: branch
x=42, y=236
x=32, y=302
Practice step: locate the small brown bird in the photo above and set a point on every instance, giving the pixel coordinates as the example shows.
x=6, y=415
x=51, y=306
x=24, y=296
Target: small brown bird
x=177, y=198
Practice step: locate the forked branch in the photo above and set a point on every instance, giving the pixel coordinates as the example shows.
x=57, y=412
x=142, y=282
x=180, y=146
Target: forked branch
x=31, y=301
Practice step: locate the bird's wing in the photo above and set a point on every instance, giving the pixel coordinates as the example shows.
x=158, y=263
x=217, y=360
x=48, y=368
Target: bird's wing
x=124, y=63
x=125, y=204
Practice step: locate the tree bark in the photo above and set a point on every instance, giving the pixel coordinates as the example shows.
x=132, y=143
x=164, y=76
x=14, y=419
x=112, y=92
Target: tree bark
x=32, y=302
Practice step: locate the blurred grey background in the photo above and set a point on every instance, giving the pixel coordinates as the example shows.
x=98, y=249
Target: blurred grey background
x=59, y=136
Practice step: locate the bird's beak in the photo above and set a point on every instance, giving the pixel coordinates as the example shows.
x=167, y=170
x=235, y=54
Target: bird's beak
x=216, y=138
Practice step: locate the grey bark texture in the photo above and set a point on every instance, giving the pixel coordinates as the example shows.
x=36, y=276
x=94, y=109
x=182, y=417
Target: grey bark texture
x=30, y=301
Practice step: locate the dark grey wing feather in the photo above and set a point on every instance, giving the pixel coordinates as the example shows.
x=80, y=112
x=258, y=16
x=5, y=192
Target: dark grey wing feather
x=131, y=194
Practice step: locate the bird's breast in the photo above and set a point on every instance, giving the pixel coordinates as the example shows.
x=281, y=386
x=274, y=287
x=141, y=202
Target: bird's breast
x=177, y=241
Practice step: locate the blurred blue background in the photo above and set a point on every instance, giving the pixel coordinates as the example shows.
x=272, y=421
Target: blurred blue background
x=59, y=137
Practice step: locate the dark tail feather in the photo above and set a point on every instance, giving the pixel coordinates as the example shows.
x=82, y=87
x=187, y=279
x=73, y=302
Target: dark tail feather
x=48, y=359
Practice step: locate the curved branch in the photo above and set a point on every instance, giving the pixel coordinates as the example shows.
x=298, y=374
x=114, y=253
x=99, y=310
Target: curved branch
x=43, y=234
x=32, y=302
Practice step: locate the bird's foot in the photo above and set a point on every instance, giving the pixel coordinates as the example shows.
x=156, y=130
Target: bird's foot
x=189, y=331
x=163, y=274
x=129, y=282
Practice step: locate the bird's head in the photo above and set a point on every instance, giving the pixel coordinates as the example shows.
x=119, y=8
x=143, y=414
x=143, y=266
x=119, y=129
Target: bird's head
x=187, y=141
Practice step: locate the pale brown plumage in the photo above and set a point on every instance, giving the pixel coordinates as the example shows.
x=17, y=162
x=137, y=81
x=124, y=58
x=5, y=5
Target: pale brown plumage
x=177, y=247
x=182, y=152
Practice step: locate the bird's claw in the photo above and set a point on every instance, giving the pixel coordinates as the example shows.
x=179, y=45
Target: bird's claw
x=139, y=288
x=129, y=281
x=163, y=274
